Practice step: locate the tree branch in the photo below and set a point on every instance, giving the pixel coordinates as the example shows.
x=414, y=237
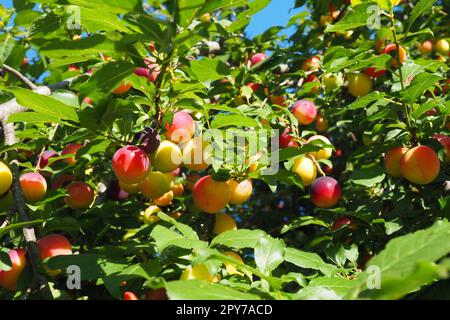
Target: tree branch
x=29, y=234
x=20, y=76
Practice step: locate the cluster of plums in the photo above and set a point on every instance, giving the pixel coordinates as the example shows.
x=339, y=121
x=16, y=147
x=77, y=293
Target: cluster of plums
x=49, y=246
x=419, y=165
x=150, y=168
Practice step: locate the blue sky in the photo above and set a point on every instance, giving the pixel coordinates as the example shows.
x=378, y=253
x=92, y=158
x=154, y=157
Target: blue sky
x=275, y=14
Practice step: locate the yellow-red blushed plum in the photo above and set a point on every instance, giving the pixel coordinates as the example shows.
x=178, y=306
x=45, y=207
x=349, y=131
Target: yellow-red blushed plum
x=285, y=139
x=359, y=84
x=155, y=185
x=199, y=272
x=224, y=222
x=128, y=295
x=425, y=47
x=54, y=245
x=167, y=157
x=392, y=161
x=156, y=294
x=10, y=278
x=392, y=50
x=306, y=169
x=258, y=58
x=80, y=195
x=325, y=192
x=420, y=165
x=305, y=111
x=312, y=63
x=177, y=189
x=342, y=221
x=374, y=72
x=278, y=100
x=46, y=155
x=240, y=191
x=33, y=186
x=325, y=152
x=211, y=196
x=6, y=178
x=445, y=142
x=442, y=46
x=321, y=124
x=130, y=164
x=71, y=149
x=196, y=154
x=182, y=127
x=122, y=88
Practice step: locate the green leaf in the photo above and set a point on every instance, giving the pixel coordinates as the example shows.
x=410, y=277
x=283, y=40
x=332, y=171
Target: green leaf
x=308, y=260
x=357, y=16
x=5, y=261
x=44, y=104
x=93, y=22
x=269, y=253
x=418, y=10
x=19, y=225
x=338, y=285
x=421, y=82
x=185, y=230
x=202, y=290
x=33, y=117
x=226, y=120
x=238, y=239
x=165, y=238
x=208, y=69
x=6, y=48
x=368, y=177
x=402, y=255
x=187, y=10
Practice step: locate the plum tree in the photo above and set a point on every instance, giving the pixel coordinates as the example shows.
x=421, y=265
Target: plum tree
x=223, y=222
x=5, y=178
x=167, y=157
x=420, y=165
x=392, y=161
x=305, y=111
x=359, y=84
x=130, y=164
x=155, y=185
x=311, y=64
x=182, y=127
x=80, y=195
x=34, y=186
x=325, y=192
x=10, y=278
x=240, y=191
x=211, y=196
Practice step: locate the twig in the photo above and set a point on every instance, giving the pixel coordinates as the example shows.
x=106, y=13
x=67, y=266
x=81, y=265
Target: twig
x=20, y=76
